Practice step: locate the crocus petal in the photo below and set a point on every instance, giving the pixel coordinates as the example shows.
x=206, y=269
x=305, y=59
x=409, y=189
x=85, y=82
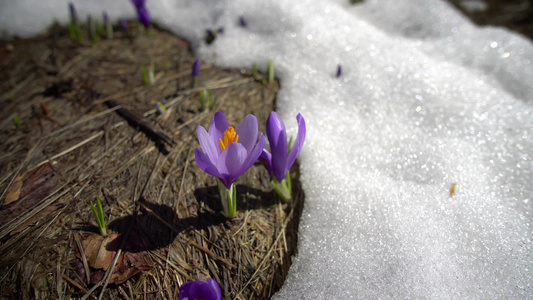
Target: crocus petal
x=185, y=290
x=215, y=288
x=253, y=155
x=247, y=131
x=144, y=16
x=266, y=157
x=298, y=143
x=124, y=24
x=230, y=162
x=200, y=289
x=279, y=156
x=138, y=3
x=339, y=71
x=209, y=147
x=205, y=164
x=196, y=68
x=242, y=21
x=217, y=128
x=274, y=127
x=73, y=12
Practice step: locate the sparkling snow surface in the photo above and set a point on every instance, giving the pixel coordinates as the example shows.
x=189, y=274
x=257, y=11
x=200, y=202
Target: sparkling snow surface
x=426, y=100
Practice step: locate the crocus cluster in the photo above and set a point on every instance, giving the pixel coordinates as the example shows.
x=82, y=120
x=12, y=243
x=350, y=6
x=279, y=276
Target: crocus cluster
x=200, y=289
x=227, y=152
x=142, y=13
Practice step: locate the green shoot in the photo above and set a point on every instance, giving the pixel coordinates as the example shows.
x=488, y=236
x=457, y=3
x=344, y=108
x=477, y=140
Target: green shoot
x=16, y=120
x=254, y=69
x=93, y=34
x=160, y=108
x=291, y=142
x=148, y=74
x=283, y=188
x=270, y=70
x=75, y=31
x=207, y=100
x=98, y=212
x=109, y=30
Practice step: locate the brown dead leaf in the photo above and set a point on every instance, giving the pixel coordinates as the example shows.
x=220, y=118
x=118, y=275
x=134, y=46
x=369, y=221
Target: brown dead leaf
x=27, y=191
x=95, y=245
x=14, y=192
x=33, y=220
x=100, y=252
x=31, y=182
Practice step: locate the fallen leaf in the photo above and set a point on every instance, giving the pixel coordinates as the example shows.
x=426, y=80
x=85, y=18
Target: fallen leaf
x=33, y=220
x=100, y=251
x=14, y=192
x=27, y=191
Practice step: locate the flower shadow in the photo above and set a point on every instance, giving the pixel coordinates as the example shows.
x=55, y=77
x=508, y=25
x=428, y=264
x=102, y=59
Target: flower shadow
x=156, y=226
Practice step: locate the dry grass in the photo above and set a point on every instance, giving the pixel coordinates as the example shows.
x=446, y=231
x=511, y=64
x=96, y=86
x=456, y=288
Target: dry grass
x=85, y=149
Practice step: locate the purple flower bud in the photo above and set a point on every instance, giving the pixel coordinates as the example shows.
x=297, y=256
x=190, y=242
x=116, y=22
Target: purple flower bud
x=200, y=289
x=106, y=17
x=138, y=3
x=73, y=13
x=220, y=30
x=228, y=152
x=242, y=21
x=339, y=71
x=144, y=16
x=124, y=24
x=279, y=160
x=142, y=13
x=196, y=68
x=160, y=109
x=210, y=38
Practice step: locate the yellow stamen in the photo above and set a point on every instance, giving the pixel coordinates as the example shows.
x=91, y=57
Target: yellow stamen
x=230, y=136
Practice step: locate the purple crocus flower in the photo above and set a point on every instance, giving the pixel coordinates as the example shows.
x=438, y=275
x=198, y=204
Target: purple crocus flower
x=280, y=160
x=142, y=13
x=196, y=68
x=227, y=152
x=73, y=13
x=339, y=71
x=242, y=22
x=200, y=289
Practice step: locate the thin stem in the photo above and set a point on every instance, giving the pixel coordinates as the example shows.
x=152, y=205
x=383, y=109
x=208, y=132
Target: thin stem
x=228, y=198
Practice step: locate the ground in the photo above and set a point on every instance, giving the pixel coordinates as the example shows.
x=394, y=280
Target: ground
x=89, y=128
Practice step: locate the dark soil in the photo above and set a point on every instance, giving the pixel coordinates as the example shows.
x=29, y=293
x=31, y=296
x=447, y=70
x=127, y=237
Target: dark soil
x=516, y=15
x=74, y=144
